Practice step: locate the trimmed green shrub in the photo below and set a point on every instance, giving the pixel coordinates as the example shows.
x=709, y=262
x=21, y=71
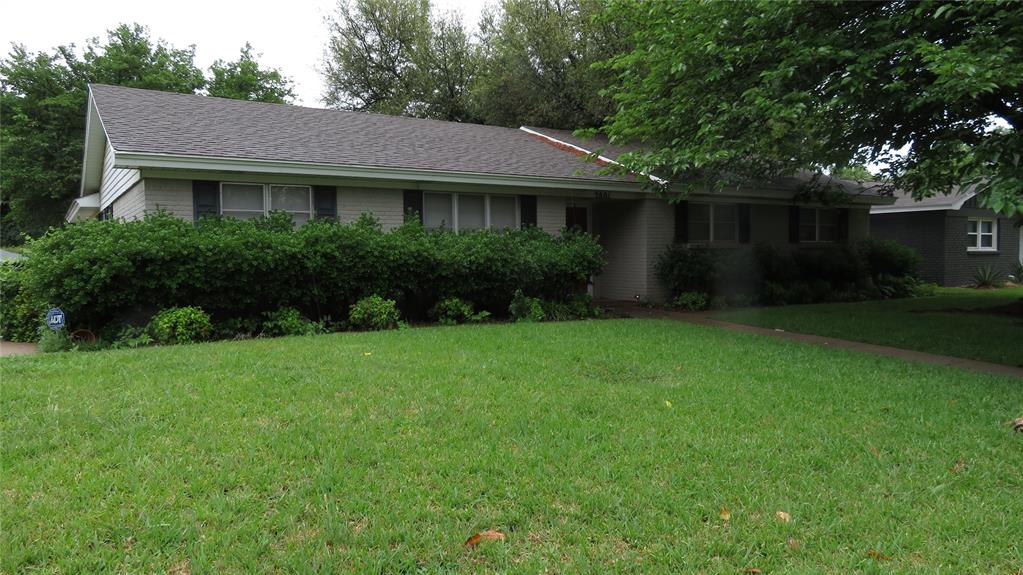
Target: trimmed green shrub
x=102, y=271
x=374, y=313
x=524, y=308
x=690, y=301
x=288, y=321
x=181, y=325
x=453, y=311
x=687, y=269
x=888, y=257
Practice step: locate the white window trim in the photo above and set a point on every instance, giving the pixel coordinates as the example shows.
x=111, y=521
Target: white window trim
x=486, y=208
x=993, y=234
x=266, y=198
x=817, y=227
x=710, y=214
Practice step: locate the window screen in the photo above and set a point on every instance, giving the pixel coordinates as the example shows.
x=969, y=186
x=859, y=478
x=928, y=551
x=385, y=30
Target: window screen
x=471, y=214
x=502, y=212
x=437, y=211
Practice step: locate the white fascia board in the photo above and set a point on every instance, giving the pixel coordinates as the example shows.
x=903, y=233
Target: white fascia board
x=605, y=159
x=92, y=154
x=907, y=209
x=139, y=160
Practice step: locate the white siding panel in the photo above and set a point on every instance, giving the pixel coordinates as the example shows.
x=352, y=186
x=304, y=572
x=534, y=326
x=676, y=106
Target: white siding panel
x=660, y=232
x=130, y=205
x=116, y=181
x=174, y=196
x=385, y=205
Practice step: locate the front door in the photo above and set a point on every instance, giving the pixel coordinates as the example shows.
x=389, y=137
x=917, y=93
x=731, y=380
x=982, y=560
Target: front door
x=576, y=217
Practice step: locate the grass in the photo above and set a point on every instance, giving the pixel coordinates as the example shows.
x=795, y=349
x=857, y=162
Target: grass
x=936, y=324
x=604, y=446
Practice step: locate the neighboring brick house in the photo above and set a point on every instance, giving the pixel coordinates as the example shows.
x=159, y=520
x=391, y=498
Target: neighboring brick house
x=194, y=156
x=954, y=236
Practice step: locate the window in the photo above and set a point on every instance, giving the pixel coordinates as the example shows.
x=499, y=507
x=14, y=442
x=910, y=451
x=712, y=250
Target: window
x=713, y=222
x=818, y=225
x=296, y=200
x=981, y=235
x=242, y=201
x=470, y=211
x=256, y=200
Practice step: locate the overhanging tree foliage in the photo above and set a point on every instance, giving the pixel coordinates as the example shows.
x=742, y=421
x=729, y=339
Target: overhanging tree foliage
x=730, y=91
x=42, y=104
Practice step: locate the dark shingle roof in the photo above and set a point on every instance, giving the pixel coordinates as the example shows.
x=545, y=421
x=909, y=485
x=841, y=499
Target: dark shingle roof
x=184, y=124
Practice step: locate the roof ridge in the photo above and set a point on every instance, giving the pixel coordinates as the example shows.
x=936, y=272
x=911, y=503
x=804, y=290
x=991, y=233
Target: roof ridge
x=301, y=106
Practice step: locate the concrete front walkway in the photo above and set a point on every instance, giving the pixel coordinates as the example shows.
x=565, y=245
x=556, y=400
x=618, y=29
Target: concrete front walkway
x=12, y=348
x=704, y=318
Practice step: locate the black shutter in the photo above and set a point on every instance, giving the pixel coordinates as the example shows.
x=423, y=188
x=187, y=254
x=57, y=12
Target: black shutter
x=682, y=222
x=794, y=224
x=325, y=202
x=205, y=198
x=843, y=225
x=744, y=219
x=413, y=204
x=527, y=210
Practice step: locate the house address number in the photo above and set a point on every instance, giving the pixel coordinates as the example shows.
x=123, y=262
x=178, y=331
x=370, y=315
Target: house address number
x=602, y=195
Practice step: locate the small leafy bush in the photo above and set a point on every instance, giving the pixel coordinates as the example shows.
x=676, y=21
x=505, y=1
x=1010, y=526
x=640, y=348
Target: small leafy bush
x=579, y=306
x=374, y=313
x=888, y=257
x=924, y=289
x=131, y=337
x=524, y=308
x=51, y=341
x=453, y=310
x=687, y=269
x=181, y=325
x=690, y=301
x=20, y=313
x=987, y=277
x=288, y=321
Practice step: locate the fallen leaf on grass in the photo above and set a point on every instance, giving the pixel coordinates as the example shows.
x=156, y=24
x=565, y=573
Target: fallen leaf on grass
x=668, y=403
x=1017, y=425
x=958, y=466
x=876, y=453
x=753, y=570
x=724, y=514
x=783, y=516
x=878, y=555
x=793, y=544
x=367, y=353
x=489, y=535
x=180, y=568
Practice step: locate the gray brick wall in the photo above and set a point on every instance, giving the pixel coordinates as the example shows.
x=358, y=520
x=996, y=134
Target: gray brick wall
x=960, y=264
x=922, y=231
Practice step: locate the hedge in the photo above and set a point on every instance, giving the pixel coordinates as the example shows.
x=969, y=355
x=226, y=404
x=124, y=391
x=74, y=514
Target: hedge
x=107, y=272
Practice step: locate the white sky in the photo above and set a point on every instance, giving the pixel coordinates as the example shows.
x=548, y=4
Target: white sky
x=291, y=36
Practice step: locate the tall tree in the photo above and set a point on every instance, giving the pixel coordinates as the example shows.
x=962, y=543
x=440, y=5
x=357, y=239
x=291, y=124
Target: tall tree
x=539, y=64
x=42, y=103
x=726, y=91
x=393, y=57
x=243, y=79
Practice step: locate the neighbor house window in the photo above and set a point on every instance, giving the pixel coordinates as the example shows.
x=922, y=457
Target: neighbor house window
x=818, y=225
x=981, y=235
x=256, y=200
x=470, y=211
x=713, y=222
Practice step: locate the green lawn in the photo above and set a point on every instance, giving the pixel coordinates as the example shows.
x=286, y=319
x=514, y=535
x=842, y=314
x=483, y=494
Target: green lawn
x=602, y=446
x=933, y=324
